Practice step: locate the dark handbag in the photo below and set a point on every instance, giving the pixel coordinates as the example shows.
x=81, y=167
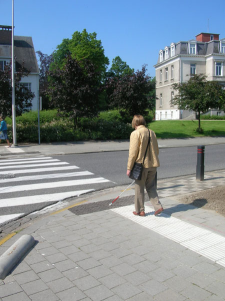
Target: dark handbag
x=137, y=169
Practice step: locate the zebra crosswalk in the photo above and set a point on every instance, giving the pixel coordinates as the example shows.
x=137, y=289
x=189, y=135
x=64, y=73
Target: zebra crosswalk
x=28, y=185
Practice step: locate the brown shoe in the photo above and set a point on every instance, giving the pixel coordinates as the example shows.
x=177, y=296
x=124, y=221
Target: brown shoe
x=158, y=211
x=135, y=213
x=142, y=213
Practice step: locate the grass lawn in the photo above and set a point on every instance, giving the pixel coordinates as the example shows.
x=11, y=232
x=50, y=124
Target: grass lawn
x=187, y=128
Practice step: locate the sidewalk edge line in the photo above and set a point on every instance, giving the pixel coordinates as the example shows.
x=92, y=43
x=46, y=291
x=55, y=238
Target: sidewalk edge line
x=6, y=238
x=64, y=209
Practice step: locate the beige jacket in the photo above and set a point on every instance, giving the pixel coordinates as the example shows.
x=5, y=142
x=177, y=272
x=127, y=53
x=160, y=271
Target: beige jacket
x=138, y=144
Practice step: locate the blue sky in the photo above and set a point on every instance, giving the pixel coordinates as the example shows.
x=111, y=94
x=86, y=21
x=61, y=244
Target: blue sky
x=133, y=30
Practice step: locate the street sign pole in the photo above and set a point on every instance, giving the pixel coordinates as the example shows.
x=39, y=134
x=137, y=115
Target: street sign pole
x=13, y=82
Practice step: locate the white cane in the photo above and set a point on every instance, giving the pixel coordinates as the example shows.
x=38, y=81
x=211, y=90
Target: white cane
x=121, y=193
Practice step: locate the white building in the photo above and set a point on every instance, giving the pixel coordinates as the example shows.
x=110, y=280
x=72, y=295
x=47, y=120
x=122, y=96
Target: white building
x=24, y=55
x=177, y=62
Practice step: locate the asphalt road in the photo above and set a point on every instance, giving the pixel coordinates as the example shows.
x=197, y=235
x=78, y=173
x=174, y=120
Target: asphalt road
x=174, y=162
x=39, y=183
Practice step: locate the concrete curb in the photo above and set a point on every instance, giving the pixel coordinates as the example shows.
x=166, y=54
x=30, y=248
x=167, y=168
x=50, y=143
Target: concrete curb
x=12, y=256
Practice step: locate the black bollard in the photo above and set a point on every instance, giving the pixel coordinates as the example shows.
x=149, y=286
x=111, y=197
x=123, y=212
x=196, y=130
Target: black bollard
x=200, y=163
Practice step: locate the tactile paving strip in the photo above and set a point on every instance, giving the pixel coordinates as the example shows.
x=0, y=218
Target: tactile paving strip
x=199, y=240
x=188, y=185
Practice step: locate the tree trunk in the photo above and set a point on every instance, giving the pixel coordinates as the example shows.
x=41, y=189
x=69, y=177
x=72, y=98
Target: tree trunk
x=75, y=122
x=199, y=122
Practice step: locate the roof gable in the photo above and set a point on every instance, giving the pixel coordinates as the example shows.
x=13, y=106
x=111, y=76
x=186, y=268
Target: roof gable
x=23, y=50
x=25, y=54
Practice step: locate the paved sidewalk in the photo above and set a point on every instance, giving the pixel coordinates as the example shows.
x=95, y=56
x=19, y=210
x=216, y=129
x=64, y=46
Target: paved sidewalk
x=99, y=146
x=96, y=252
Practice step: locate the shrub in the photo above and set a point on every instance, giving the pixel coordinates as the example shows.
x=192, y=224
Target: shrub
x=105, y=130
x=149, y=116
x=213, y=117
x=32, y=117
x=112, y=115
x=53, y=132
x=108, y=125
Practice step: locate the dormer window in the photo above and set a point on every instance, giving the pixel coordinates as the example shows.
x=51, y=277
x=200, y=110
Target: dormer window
x=161, y=56
x=172, y=50
x=222, y=47
x=166, y=53
x=192, y=48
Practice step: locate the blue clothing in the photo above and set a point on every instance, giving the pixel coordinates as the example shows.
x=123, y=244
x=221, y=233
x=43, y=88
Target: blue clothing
x=4, y=135
x=3, y=126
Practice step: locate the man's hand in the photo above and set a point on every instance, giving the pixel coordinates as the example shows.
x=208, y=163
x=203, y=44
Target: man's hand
x=128, y=172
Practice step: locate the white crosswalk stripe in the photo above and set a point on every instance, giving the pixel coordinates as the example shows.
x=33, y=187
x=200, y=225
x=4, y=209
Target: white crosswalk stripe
x=33, y=165
x=41, y=198
x=52, y=185
x=26, y=159
x=35, y=170
x=51, y=176
x=26, y=185
x=6, y=218
x=34, y=161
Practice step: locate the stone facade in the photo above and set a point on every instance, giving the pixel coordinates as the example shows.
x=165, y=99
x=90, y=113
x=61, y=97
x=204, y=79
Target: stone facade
x=177, y=62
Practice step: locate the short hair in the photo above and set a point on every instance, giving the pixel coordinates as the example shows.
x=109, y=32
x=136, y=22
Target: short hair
x=138, y=120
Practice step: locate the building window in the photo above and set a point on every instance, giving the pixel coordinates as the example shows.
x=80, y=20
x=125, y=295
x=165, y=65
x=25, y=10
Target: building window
x=166, y=74
x=172, y=50
x=166, y=53
x=160, y=100
x=26, y=85
x=172, y=71
x=2, y=65
x=211, y=37
x=218, y=69
x=222, y=47
x=192, y=48
x=160, y=76
x=172, y=95
x=193, y=69
x=161, y=56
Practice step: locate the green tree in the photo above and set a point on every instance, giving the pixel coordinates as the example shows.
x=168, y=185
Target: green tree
x=130, y=92
x=23, y=96
x=199, y=95
x=82, y=46
x=44, y=65
x=152, y=94
x=74, y=90
x=119, y=68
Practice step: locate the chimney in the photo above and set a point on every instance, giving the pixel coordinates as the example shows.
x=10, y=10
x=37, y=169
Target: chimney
x=5, y=35
x=206, y=37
